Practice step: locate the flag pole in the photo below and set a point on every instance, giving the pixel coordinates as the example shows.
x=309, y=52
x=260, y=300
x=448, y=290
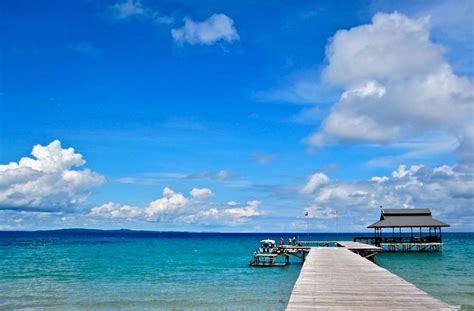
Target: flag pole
x=306, y=214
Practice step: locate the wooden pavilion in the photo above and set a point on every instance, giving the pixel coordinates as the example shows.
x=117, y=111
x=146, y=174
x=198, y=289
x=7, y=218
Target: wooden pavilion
x=424, y=232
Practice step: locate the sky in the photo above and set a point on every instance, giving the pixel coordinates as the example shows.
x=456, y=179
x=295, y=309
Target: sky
x=234, y=116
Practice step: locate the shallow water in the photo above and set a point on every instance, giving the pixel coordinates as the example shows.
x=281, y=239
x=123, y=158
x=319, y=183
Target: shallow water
x=132, y=270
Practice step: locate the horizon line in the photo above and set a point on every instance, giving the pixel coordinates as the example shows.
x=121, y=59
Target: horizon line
x=221, y=232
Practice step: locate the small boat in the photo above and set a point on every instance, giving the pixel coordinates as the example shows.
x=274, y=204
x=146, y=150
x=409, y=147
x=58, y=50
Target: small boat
x=267, y=246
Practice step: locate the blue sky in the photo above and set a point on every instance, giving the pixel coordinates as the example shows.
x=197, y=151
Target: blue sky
x=268, y=110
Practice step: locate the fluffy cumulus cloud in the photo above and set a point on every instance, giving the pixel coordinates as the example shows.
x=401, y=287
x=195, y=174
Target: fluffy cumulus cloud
x=396, y=84
x=216, y=28
x=171, y=201
x=174, y=207
x=314, y=182
x=251, y=209
x=116, y=211
x=46, y=181
x=170, y=204
x=201, y=193
x=447, y=190
x=225, y=216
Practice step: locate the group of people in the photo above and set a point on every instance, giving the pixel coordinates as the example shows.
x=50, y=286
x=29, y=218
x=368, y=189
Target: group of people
x=291, y=241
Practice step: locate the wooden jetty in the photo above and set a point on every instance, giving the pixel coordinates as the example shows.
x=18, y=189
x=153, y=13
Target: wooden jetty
x=365, y=250
x=300, y=251
x=336, y=278
x=356, y=246
x=346, y=244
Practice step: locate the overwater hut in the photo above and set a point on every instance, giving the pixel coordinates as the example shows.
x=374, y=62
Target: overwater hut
x=421, y=232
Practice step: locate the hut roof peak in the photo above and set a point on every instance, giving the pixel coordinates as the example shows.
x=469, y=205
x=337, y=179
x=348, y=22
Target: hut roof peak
x=407, y=217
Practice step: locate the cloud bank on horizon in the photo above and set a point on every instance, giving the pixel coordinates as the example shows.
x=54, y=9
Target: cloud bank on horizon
x=48, y=184
x=395, y=86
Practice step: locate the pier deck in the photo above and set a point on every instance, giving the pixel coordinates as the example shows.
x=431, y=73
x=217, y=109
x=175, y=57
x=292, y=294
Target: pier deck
x=334, y=278
x=356, y=246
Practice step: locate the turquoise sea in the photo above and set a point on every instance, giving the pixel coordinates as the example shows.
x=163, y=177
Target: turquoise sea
x=97, y=270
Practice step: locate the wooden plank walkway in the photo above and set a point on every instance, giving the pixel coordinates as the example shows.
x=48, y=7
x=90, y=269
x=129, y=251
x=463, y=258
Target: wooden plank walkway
x=334, y=278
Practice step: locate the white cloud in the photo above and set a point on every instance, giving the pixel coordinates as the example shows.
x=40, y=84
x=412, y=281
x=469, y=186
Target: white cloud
x=314, y=182
x=174, y=207
x=215, y=28
x=393, y=46
x=250, y=210
x=47, y=180
x=116, y=211
x=164, y=208
x=201, y=193
x=378, y=179
x=170, y=202
x=447, y=190
x=397, y=84
x=224, y=216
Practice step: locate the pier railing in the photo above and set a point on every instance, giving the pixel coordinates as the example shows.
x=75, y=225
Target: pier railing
x=403, y=239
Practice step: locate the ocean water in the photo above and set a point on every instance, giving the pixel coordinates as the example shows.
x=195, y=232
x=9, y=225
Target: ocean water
x=71, y=270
